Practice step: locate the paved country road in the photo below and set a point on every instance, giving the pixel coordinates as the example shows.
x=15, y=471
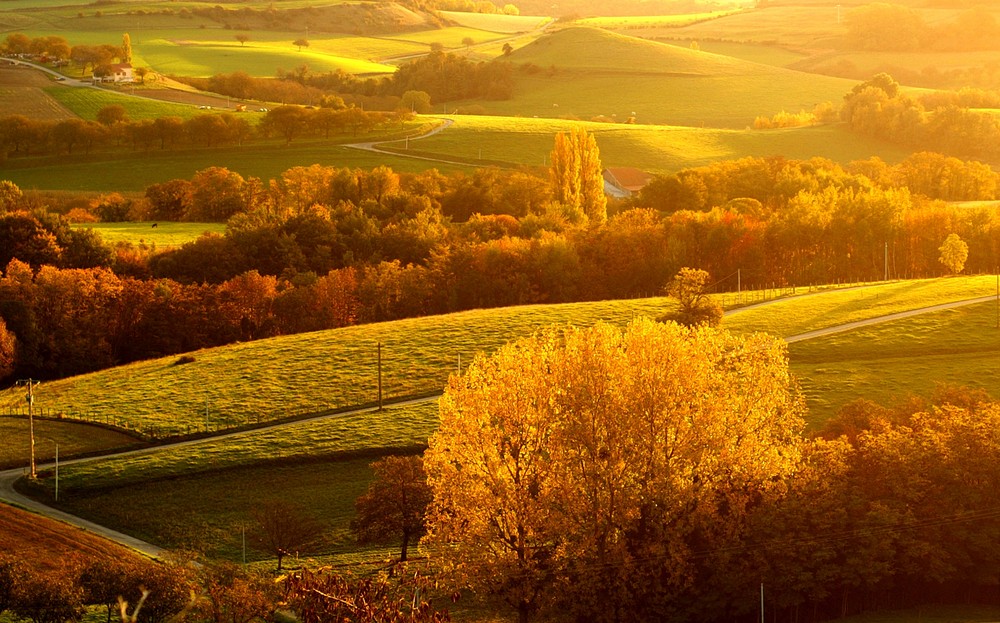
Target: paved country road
x=8, y=478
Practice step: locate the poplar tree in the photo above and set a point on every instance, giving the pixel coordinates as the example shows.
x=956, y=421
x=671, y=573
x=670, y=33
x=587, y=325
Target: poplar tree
x=126, y=48
x=576, y=174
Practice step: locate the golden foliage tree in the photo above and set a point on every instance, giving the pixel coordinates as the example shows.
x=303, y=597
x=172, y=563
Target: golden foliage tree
x=571, y=464
x=954, y=252
x=576, y=174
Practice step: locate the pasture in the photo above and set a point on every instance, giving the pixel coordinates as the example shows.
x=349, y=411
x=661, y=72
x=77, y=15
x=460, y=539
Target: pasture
x=656, y=149
x=585, y=72
x=24, y=91
x=631, y=22
x=300, y=375
x=72, y=438
x=266, y=161
x=505, y=24
x=86, y=102
x=164, y=235
x=888, y=362
x=911, y=355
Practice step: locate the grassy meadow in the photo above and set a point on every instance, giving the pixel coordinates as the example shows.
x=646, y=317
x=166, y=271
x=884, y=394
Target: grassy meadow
x=85, y=103
x=652, y=148
x=311, y=373
x=73, y=438
x=164, y=236
x=102, y=172
x=890, y=361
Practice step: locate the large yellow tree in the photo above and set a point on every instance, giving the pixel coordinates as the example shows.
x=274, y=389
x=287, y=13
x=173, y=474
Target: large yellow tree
x=571, y=464
x=577, y=174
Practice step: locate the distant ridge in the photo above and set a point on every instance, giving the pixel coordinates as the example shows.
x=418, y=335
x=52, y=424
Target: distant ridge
x=595, y=49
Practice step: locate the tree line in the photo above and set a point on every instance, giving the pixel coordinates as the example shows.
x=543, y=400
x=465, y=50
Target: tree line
x=23, y=136
x=323, y=247
x=884, y=27
x=944, y=122
x=443, y=76
x=135, y=590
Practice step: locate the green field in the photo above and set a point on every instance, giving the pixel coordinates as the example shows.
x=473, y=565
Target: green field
x=309, y=373
x=102, y=172
x=584, y=72
x=72, y=438
x=86, y=102
x=656, y=149
x=217, y=507
x=508, y=24
x=164, y=236
x=896, y=359
x=652, y=21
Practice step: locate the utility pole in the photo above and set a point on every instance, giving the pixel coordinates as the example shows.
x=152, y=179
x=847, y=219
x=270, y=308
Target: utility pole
x=57, y=472
x=380, y=376
x=30, y=397
x=885, y=262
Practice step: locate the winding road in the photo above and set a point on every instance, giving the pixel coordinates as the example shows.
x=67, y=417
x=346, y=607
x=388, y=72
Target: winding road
x=9, y=495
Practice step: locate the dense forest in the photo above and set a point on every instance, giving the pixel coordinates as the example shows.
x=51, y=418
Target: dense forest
x=322, y=247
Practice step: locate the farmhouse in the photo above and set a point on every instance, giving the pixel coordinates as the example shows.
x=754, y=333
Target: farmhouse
x=623, y=182
x=120, y=72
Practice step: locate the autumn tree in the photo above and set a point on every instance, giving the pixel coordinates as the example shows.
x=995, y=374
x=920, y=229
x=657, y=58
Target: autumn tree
x=12, y=571
x=126, y=53
x=283, y=529
x=696, y=307
x=48, y=597
x=569, y=463
x=301, y=43
x=242, y=38
x=393, y=507
x=954, y=253
x=576, y=174
x=112, y=114
x=236, y=595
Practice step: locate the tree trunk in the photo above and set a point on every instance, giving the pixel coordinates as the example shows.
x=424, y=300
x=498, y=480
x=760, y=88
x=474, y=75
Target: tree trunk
x=406, y=543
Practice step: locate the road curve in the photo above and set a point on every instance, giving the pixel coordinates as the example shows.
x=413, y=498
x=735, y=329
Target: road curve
x=9, y=495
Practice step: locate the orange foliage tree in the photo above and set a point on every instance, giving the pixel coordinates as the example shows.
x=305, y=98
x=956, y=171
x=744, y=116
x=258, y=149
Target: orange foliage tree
x=571, y=464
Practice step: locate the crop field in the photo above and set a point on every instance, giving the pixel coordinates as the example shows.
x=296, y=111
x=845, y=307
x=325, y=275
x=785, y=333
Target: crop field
x=23, y=91
x=506, y=24
x=656, y=149
x=164, y=236
x=72, y=438
x=45, y=543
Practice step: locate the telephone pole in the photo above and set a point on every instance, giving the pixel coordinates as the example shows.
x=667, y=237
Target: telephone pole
x=30, y=397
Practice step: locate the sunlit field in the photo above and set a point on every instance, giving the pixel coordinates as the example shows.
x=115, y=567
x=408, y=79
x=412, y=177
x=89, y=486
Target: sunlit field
x=656, y=149
x=507, y=24
x=586, y=72
x=890, y=361
x=101, y=172
x=652, y=21
x=72, y=438
x=163, y=236
x=85, y=103
x=310, y=373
